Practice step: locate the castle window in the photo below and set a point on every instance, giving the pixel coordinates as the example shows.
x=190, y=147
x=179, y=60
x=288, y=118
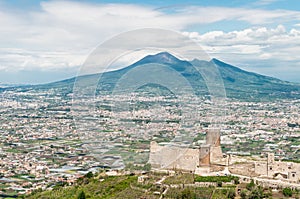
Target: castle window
x=293, y=175
x=270, y=168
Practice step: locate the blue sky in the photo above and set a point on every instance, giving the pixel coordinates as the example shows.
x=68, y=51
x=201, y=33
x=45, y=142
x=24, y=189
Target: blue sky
x=45, y=41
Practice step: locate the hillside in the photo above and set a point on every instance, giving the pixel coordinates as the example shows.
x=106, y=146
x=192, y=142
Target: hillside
x=155, y=186
x=239, y=84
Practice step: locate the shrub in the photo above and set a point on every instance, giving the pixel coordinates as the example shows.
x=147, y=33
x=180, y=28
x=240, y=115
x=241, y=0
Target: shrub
x=256, y=193
x=243, y=194
x=231, y=194
x=236, y=180
x=187, y=194
x=81, y=195
x=287, y=192
x=89, y=175
x=251, y=185
x=214, y=178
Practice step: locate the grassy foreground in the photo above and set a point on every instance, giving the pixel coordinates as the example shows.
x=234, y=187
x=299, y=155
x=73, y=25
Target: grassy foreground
x=158, y=185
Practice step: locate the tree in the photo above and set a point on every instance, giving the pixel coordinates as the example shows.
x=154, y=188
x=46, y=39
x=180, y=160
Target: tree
x=231, y=194
x=236, y=180
x=287, y=192
x=256, y=193
x=219, y=184
x=243, y=194
x=81, y=195
x=251, y=185
x=89, y=175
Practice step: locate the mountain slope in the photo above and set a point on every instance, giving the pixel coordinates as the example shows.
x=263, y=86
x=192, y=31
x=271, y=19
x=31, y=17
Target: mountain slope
x=244, y=84
x=238, y=83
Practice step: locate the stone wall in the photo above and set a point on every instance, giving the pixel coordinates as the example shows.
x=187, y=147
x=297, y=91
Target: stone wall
x=260, y=168
x=172, y=157
x=175, y=157
x=279, y=170
x=204, y=155
x=213, y=137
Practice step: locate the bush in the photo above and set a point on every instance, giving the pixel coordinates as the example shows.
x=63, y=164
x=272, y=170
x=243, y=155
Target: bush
x=187, y=194
x=81, y=195
x=214, y=178
x=287, y=192
x=243, y=194
x=231, y=194
x=251, y=185
x=256, y=193
x=236, y=180
x=89, y=175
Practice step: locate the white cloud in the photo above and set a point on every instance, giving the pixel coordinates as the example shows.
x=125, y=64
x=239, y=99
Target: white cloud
x=61, y=34
x=261, y=37
x=257, y=49
x=265, y=56
x=13, y=59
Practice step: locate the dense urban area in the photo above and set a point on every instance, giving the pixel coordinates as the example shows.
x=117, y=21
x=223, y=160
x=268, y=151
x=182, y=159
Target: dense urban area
x=43, y=146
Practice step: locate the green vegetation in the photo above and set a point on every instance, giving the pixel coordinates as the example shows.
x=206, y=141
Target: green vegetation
x=111, y=187
x=13, y=150
x=190, y=193
x=132, y=167
x=253, y=191
x=81, y=195
x=127, y=187
x=186, y=178
x=296, y=161
x=215, y=178
x=224, y=193
x=287, y=192
x=231, y=193
x=251, y=185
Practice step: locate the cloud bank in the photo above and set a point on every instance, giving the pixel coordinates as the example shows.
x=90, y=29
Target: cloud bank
x=59, y=35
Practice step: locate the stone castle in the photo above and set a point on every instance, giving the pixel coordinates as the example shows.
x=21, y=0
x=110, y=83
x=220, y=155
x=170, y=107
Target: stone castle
x=187, y=159
x=208, y=159
x=287, y=171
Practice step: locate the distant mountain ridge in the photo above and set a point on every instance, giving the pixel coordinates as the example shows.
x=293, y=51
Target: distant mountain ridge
x=238, y=83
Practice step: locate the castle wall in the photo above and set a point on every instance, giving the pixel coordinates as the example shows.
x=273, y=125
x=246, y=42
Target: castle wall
x=287, y=170
x=171, y=157
x=260, y=168
x=216, y=155
x=175, y=157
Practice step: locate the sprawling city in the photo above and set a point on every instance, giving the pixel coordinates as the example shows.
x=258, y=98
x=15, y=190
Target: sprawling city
x=42, y=147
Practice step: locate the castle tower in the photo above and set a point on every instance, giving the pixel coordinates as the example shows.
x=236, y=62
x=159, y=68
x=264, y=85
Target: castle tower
x=214, y=140
x=270, y=164
x=213, y=137
x=204, y=155
x=271, y=158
